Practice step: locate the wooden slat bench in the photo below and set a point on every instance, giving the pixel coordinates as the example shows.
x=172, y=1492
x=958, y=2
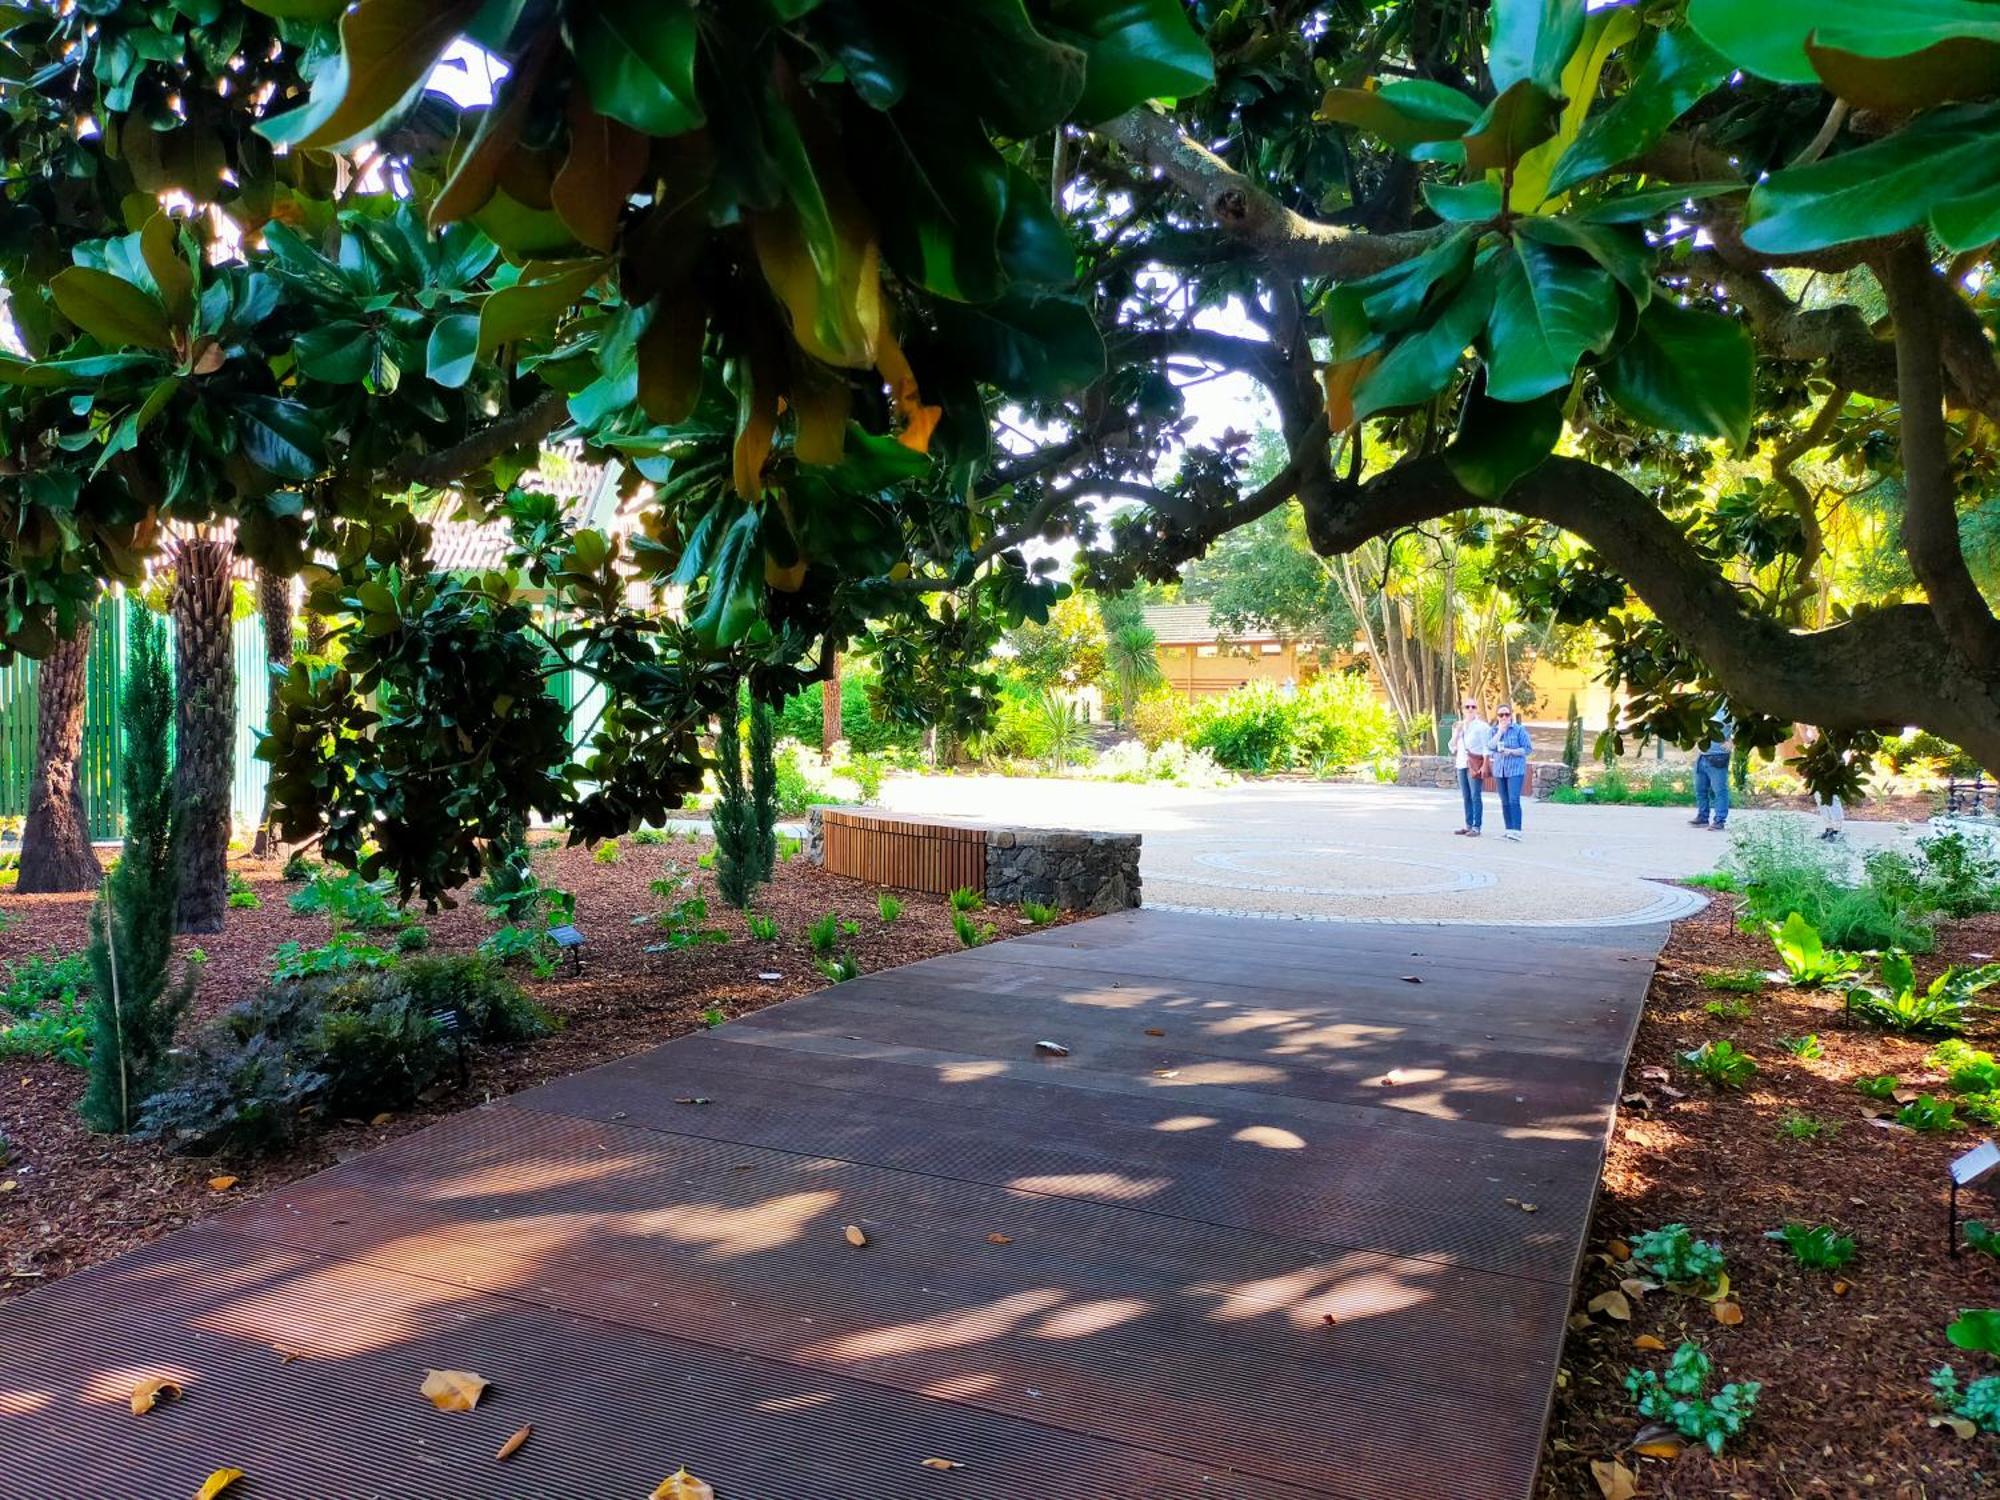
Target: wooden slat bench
x=1059, y=867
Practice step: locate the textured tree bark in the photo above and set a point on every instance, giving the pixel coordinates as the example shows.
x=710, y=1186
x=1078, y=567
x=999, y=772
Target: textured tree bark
x=830, y=728
x=55, y=841
x=204, y=731
x=274, y=603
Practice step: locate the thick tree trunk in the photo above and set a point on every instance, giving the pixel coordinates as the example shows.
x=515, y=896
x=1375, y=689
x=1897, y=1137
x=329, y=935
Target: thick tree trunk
x=274, y=603
x=831, y=731
x=55, y=842
x=204, y=731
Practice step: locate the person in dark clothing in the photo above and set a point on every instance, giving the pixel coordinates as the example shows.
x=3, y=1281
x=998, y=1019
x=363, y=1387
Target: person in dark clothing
x=1711, y=772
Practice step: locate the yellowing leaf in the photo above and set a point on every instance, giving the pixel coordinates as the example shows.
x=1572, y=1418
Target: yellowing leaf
x=454, y=1390
x=1341, y=382
x=1963, y=1426
x=1619, y=1250
x=681, y=1485
x=513, y=1444
x=148, y=1394
x=1614, y=1480
x=1649, y=1341
x=941, y=1464
x=382, y=1119
x=1656, y=1441
x=997, y=1238
x=854, y=1236
x=216, y=1483
x=221, y=1184
x=1612, y=1305
x=1721, y=1291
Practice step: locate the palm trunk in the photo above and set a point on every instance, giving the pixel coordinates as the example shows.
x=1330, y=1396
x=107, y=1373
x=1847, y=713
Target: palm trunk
x=204, y=731
x=274, y=603
x=55, y=841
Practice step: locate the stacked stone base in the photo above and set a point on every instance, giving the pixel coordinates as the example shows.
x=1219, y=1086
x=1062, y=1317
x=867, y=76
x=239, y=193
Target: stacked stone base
x=1068, y=869
x=1544, y=776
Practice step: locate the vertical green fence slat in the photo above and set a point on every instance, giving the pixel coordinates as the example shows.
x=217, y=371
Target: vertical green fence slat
x=253, y=705
x=17, y=735
x=103, y=747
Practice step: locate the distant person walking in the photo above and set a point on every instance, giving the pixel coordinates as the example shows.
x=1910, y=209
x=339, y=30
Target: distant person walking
x=1510, y=767
x=1471, y=743
x=1711, y=772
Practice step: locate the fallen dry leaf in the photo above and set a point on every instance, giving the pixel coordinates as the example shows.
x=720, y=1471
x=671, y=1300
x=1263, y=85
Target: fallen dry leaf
x=1656, y=1441
x=1052, y=1049
x=216, y=1483
x=1655, y=1075
x=681, y=1485
x=1154, y=1031
x=690, y=1099
x=1728, y=1312
x=1612, y=1305
x=1720, y=1291
x=855, y=1237
x=1649, y=1341
x=513, y=1444
x=454, y=1390
x=1636, y=1287
x=996, y=1238
x=1842, y=1286
x=1329, y=1319
x=221, y=1184
x=148, y=1394
x=942, y=1463
x=1965, y=1427
x=382, y=1119
x=1411, y=979
x=1619, y=1250
x=1578, y=1322
x=1614, y=1480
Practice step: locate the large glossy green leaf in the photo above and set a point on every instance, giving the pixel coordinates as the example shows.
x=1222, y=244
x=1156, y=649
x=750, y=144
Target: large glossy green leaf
x=1499, y=441
x=1028, y=343
x=1684, y=370
x=1515, y=123
x=1417, y=366
x=990, y=55
x=453, y=350
x=1464, y=202
x=285, y=439
x=1681, y=69
x=1882, y=188
x=1883, y=54
x=387, y=50
x=939, y=191
x=341, y=352
x=1394, y=298
x=53, y=374
x=1532, y=39
x=1404, y=113
x=531, y=307
x=1650, y=203
x=1549, y=310
x=1134, y=50
x=112, y=311
x=299, y=10
x=1623, y=252
x=724, y=562
x=1034, y=246
x=637, y=59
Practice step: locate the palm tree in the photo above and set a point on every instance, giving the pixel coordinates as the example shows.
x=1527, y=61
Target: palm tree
x=1132, y=657
x=204, y=725
x=55, y=841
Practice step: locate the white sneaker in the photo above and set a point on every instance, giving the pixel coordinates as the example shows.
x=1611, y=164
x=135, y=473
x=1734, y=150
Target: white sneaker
x=1513, y=836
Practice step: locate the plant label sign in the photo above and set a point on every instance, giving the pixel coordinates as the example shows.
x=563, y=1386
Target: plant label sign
x=1975, y=1164
x=566, y=937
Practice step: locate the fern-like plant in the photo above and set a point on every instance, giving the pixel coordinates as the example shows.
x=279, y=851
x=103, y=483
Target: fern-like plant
x=888, y=907
x=1896, y=1004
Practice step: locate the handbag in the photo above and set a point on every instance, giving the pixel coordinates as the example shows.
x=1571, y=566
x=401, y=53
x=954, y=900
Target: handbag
x=1478, y=766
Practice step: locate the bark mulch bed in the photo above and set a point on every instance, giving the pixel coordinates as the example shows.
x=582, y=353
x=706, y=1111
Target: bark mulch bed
x=70, y=1198
x=1845, y=1402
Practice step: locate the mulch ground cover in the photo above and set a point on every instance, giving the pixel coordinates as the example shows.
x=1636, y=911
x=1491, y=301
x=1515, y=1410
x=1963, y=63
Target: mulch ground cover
x=1845, y=1405
x=70, y=1198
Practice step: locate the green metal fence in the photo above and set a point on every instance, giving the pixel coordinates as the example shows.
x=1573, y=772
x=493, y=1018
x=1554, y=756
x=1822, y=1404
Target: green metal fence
x=104, y=687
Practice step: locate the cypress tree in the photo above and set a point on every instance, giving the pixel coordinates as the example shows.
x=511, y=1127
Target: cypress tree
x=738, y=857
x=133, y=1012
x=764, y=784
x=1573, y=738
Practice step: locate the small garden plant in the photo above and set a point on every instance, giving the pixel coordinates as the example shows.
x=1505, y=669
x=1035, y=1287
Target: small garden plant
x=241, y=897
x=1982, y=1239
x=1878, y=1086
x=1976, y=1402
x=762, y=928
x=888, y=907
x=1680, y=1399
x=966, y=899
x=1721, y=1064
x=971, y=934
x=840, y=970
x=1744, y=981
x=1896, y=1004
x=1735, y=1008
x=1807, y=1048
x=1809, y=964
x=1929, y=1114
x=1673, y=1254
x=1817, y=1247
x=1798, y=1126
x=683, y=918
x=823, y=935
x=1037, y=914
x=607, y=853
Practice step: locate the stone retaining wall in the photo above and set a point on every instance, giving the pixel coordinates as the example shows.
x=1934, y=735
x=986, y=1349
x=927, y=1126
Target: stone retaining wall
x=1068, y=869
x=1544, y=776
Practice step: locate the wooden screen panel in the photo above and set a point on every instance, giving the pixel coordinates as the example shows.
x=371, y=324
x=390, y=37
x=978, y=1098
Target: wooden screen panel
x=908, y=854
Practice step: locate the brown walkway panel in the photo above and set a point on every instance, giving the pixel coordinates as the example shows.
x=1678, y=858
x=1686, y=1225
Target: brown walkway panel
x=1099, y=1275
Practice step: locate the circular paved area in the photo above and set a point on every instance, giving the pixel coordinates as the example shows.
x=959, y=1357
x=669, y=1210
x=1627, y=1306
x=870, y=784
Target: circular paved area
x=1369, y=853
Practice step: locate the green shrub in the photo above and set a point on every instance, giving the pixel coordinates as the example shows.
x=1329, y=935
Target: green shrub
x=1971, y=1070
x=379, y=1058
x=1681, y=1399
x=58, y=1026
x=1721, y=1064
x=413, y=939
x=1673, y=1254
x=966, y=899
x=1037, y=914
x=763, y=929
x=232, y=1096
x=34, y=983
x=298, y=868
x=652, y=836
x=1898, y=1005
x=970, y=933
x=1714, y=880
x=800, y=716
x=888, y=907
x=343, y=953
x=241, y=897
x=607, y=853
x=1816, y=1247
x=823, y=934
x=1160, y=720
x=529, y=945
x=491, y=1007
x=1977, y=1403
x=346, y=900
x=1958, y=874
x=1254, y=728
x=1929, y=1114
x=1615, y=787
x=1808, y=964
x=1783, y=870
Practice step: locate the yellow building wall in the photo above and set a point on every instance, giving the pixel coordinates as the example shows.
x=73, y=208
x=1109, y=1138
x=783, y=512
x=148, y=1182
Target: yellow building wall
x=1194, y=675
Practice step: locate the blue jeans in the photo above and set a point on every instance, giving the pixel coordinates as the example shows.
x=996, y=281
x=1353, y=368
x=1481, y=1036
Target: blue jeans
x=1510, y=800
x=1475, y=798
x=1711, y=787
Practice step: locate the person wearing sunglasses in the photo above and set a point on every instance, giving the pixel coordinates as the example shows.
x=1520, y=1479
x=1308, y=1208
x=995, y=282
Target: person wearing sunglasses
x=1510, y=767
x=1471, y=743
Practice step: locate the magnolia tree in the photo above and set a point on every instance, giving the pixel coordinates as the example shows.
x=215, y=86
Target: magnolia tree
x=863, y=312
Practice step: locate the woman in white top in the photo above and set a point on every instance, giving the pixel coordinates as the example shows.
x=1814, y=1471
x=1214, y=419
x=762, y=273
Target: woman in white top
x=1471, y=743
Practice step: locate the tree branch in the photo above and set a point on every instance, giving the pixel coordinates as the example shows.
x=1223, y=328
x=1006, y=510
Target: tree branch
x=1930, y=507
x=515, y=429
x=1287, y=240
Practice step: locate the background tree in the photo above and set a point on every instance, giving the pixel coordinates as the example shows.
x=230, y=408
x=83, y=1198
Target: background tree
x=133, y=1011
x=1131, y=651
x=55, y=838
x=274, y=609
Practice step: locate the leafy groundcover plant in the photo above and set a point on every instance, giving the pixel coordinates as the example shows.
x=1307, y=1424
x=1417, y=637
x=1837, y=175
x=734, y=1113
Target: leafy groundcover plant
x=1680, y=1398
x=1673, y=1254
x=1808, y=963
x=1975, y=1403
x=1896, y=1004
x=1816, y=1247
